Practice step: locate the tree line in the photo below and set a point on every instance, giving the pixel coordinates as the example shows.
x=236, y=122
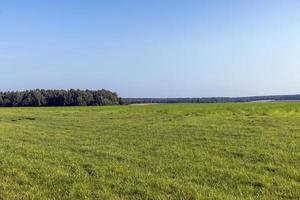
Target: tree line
x=212, y=99
x=39, y=97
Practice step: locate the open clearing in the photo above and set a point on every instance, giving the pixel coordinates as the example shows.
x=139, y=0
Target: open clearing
x=162, y=151
x=142, y=104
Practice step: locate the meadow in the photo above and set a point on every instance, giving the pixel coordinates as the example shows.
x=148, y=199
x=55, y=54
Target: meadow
x=161, y=151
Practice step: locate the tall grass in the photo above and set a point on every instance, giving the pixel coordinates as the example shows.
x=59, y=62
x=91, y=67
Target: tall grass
x=179, y=151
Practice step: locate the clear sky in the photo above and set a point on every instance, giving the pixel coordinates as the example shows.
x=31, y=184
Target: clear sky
x=152, y=48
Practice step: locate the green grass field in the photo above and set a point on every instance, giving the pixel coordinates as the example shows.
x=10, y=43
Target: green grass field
x=179, y=151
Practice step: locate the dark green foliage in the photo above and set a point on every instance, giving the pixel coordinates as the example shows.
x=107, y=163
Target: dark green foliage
x=212, y=99
x=58, y=98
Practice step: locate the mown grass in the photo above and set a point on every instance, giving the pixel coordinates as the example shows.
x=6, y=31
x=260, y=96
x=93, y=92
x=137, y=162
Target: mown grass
x=180, y=151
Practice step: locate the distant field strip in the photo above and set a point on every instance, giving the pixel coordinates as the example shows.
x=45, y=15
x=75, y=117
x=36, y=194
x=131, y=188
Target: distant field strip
x=159, y=151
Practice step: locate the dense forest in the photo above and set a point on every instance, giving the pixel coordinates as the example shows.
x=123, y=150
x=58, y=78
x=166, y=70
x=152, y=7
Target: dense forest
x=212, y=99
x=105, y=97
x=59, y=98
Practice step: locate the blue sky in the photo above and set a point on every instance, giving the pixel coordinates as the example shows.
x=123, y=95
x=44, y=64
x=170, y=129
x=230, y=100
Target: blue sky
x=152, y=48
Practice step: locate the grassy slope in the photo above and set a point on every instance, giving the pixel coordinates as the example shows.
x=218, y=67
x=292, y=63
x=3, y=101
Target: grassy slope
x=217, y=151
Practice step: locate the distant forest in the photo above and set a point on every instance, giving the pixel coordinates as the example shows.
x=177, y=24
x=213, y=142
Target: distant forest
x=59, y=98
x=105, y=97
x=211, y=99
